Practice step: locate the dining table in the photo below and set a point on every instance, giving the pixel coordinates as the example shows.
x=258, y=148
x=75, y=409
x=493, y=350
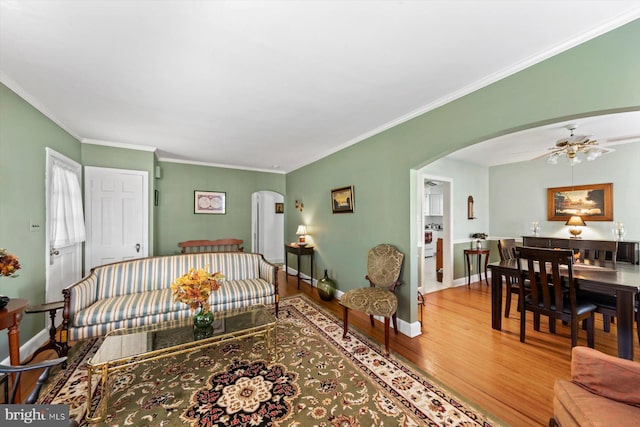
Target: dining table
x=620, y=280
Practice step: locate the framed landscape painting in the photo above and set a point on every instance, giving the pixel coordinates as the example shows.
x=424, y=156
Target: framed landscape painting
x=593, y=202
x=209, y=202
x=342, y=200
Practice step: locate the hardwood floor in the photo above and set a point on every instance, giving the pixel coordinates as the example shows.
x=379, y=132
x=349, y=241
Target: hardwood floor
x=513, y=381
x=510, y=380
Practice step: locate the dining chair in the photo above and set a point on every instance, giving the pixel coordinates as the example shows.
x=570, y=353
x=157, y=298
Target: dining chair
x=18, y=370
x=507, y=250
x=602, y=253
x=552, y=292
x=384, y=263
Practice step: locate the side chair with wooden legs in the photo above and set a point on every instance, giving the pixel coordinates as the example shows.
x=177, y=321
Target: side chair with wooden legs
x=507, y=250
x=553, y=294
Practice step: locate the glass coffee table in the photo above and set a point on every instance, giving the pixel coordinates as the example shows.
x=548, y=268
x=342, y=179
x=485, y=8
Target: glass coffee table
x=131, y=346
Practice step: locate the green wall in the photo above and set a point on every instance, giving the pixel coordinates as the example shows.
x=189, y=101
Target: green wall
x=596, y=77
x=176, y=221
x=24, y=135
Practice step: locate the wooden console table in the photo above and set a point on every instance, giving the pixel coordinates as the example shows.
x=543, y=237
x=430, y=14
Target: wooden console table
x=10, y=318
x=294, y=248
x=479, y=252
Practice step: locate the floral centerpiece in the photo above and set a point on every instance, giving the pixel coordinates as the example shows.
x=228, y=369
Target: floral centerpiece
x=9, y=264
x=194, y=288
x=479, y=237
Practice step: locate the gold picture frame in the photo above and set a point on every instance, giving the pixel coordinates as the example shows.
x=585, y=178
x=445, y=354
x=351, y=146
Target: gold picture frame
x=342, y=200
x=593, y=202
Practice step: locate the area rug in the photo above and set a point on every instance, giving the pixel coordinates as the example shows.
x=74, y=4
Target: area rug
x=318, y=379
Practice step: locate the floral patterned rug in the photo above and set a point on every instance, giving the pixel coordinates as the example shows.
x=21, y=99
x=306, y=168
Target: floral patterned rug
x=318, y=379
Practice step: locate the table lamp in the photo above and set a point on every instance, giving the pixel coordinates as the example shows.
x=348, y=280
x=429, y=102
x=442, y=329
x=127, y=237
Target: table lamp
x=301, y=232
x=575, y=221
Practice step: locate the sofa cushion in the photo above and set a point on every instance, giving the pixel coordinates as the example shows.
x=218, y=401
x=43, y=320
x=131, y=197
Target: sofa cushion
x=156, y=302
x=575, y=406
x=606, y=375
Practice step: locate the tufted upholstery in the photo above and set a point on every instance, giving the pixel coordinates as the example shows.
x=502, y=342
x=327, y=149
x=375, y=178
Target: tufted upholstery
x=384, y=263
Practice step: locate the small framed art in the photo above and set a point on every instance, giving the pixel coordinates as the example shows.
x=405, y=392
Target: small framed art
x=209, y=202
x=279, y=208
x=342, y=200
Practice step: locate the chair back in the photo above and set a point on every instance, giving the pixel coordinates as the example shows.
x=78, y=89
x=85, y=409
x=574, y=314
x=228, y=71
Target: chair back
x=507, y=249
x=543, y=266
x=594, y=250
x=384, y=263
x=203, y=246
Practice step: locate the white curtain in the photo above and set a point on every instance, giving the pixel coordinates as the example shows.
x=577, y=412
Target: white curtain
x=67, y=218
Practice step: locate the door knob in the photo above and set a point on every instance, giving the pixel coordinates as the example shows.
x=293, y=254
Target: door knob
x=138, y=247
x=53, y=251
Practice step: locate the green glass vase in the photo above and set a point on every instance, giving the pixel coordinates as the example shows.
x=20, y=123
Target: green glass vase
x=326, y=287
x=202, y=319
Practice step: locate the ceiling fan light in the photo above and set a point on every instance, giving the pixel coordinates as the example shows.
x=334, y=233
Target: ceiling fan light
x=593, y=154
x=574, y=161
x=553, y=159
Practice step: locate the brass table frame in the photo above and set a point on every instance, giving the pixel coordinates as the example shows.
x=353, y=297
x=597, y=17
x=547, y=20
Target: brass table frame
x=268, y=329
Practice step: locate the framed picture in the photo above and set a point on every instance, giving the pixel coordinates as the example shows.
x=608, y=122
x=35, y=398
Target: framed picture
x=209, y=202
x=593, y=202
x=279, y=208
x=342, y=200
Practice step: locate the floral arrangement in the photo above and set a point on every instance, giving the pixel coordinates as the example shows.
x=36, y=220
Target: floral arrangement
x=479, y=235
x=9, y=264
x=194, y=288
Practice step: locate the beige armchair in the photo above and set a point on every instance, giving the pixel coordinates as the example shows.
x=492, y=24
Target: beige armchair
x=603, y=391
x=384, y=263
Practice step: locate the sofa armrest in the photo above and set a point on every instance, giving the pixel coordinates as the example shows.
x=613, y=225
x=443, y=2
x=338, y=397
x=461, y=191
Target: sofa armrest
x=79, y=296
x=606, y=375
x=267, y=271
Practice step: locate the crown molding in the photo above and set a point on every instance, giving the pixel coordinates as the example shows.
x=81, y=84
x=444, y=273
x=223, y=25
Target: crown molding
x=119, y=145
x=218, y=165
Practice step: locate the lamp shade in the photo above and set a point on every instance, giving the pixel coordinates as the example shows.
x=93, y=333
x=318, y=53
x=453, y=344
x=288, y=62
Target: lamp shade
x=302, y=230
x=575, y=221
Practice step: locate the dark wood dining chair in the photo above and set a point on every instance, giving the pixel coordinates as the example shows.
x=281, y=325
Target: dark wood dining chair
x=552, y=292
x=17, y=372
x=594, y=251
x=601, y=253
x=507, y=251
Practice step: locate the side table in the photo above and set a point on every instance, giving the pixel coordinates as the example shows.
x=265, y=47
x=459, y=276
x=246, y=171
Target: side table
x=468, y=253
x=10, y=318
x=53, y=344
x=294, y=248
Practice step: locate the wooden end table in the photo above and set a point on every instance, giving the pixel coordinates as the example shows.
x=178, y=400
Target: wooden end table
x=468, y=253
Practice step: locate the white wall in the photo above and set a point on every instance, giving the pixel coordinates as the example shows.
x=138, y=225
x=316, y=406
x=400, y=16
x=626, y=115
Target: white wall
x=518, y=194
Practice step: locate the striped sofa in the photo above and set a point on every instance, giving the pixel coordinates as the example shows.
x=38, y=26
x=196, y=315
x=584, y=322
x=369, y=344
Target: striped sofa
x=137, y=292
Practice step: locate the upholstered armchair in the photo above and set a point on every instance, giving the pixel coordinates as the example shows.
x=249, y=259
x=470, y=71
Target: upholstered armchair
x=603, y=391
x=384, y=263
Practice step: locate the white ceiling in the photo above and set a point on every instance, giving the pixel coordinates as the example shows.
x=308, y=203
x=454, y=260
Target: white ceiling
x=271, y=85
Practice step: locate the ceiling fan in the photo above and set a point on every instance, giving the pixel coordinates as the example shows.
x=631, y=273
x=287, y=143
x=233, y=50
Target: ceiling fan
x=574, y=148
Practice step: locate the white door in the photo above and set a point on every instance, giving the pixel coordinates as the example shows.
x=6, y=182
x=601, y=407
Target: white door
x=267, y=235
x=117, y=205
x=63, y=264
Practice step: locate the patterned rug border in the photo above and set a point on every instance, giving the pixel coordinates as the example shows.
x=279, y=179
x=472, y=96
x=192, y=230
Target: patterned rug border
x=454, y=398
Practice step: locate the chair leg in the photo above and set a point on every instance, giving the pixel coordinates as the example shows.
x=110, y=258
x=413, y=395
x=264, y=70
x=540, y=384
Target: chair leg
x=395, y=323
x=523, y=323
x=606, y=321
x=371, y=319
x=591, y=331
x=345, y=317
x=574, y=332
x=386, y=336
x=536, y=321
x=507, y=306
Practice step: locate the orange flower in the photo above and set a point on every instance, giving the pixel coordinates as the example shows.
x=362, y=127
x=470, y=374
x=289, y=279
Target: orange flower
x=9, y=264
x=194, y=288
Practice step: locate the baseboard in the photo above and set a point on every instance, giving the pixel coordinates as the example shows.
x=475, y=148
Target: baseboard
x=30, y=347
